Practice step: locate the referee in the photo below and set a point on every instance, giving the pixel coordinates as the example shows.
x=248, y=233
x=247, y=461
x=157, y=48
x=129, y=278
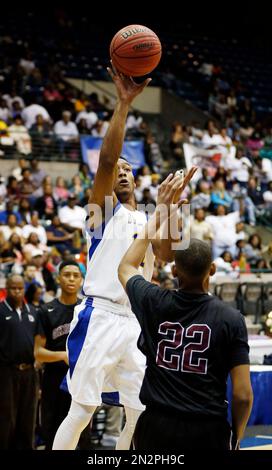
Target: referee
x=18, y=381
x=192, y=341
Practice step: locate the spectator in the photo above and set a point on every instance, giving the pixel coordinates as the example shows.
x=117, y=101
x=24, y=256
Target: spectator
x=138, y=192
x=41, y=135
x=4, y=111
x=85, y=200
x=253, y=249
x=43, y=275
x=46, y=205
x=72, y=216
x=11, y=254
x=224, y=230
x=12, y=98
x=27, y=63
x=202, y=198
x=17, y=172
x=145, y=177
x=33, y=296
x=58, y=237
x=16, y=109
x=82, y=127
x=154, y=187
x=35, y=227
x=25, y=211
x=85, y=175
x=51, y=94
x=219, y=195
x=176, y=145
x=60, y=192
x=11, y=227
x=13, y=189
x=100, y=128
x=211, y=139
x=89, y=115
x=147, y=200
x=30, y=273
x=134, y=121
x=201, y=229
x=223, y=263
x=8, y=211
x=19, y=133
x=255, y=193
x=26, y=187
x=66, y=131
x=31, y=112
x=33, y=247
x=153, y=153
x=37, y=174
x=76, y=187
x=239, y=168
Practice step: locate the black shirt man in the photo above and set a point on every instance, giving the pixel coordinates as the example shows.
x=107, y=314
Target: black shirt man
x=18, y=390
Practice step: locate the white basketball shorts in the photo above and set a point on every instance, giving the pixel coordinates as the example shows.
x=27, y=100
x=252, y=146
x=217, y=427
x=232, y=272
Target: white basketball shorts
x=103, y=355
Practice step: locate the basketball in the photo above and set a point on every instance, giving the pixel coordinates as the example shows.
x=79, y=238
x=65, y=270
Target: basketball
x=135, y=50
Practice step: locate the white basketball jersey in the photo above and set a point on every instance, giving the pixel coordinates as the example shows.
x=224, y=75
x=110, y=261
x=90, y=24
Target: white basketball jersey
x=106, y=250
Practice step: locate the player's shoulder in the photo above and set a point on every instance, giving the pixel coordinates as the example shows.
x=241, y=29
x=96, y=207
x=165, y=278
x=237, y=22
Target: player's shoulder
x=228, y=314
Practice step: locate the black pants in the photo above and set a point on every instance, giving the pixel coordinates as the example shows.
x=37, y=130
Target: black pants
x=161, y=429
x=55, y=404
x=18, y=401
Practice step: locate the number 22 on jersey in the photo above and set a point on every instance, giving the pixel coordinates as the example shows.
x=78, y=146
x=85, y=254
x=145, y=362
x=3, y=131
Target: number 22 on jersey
x=174, y=354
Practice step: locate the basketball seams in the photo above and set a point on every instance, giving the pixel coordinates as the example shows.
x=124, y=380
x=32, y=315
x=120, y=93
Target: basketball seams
x=133, y=40
x=139, y=56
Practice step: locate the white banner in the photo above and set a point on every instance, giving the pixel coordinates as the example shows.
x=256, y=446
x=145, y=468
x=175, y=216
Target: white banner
x=209, y=159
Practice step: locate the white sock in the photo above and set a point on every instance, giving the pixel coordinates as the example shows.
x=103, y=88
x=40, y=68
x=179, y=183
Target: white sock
x=70, y=429
x=125, y=438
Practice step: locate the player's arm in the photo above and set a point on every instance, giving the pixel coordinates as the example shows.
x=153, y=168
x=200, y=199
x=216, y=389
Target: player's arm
x=162, y=245
x=42, y=354
x=134, y=256
x=242, y=399
x=112, y=145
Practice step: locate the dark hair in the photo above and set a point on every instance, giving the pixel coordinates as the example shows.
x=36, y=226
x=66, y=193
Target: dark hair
x=68, y=263
x=31, y=291
x=196, y=260
x=253, y=235
x=13, y=215
x=123, y=158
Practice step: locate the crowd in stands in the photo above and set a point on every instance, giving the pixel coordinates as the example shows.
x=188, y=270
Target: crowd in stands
x=42, y=220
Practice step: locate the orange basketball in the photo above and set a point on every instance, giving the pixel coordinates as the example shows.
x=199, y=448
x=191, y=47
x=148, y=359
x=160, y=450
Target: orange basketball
x=135, y=50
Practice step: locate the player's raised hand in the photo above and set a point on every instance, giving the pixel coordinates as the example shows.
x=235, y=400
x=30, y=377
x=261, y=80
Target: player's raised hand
x=127, y=88
x=172, y=187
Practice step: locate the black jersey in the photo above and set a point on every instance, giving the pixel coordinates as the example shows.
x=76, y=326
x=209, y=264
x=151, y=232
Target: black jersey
x=54, y=320
x=17, y=334
x=191, y=342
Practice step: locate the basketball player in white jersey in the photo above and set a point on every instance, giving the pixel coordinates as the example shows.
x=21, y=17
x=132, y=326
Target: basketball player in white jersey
x=102, y=344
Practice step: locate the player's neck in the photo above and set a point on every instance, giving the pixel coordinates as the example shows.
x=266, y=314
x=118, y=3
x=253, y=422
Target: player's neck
x=129, y=201
x=199, y=288
x=68, y=299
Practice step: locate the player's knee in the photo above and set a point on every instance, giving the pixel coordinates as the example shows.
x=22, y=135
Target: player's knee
x=81, y=413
